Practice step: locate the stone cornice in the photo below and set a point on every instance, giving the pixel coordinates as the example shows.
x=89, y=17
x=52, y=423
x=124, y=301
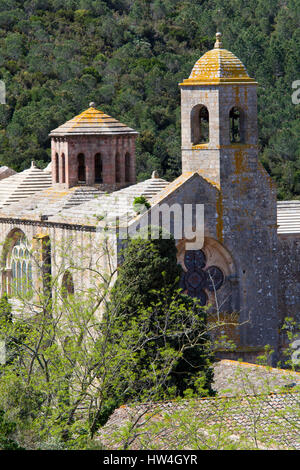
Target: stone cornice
x=41, y=223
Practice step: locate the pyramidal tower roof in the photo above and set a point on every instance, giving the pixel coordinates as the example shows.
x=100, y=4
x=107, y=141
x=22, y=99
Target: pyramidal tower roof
x=218, y=66
x=24, y=184
x=91, y=122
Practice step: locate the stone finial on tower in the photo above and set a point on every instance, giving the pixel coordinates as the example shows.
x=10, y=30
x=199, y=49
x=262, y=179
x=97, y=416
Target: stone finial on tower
x=218, y=43
x=92, y=104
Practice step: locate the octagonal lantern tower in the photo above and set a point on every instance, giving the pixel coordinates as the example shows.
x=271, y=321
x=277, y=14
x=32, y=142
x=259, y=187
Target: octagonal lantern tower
x=93, y=149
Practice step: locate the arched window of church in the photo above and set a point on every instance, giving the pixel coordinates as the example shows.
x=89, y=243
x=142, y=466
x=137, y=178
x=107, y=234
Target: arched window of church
x=127, y=167
x=46, y=264
x=63, y=166
x=81, y=168
x=98, y=168
x=56, y=168
x=235, y=128
x=200, y=125
x=67, y=285
x=19, y=266
x=118, y=168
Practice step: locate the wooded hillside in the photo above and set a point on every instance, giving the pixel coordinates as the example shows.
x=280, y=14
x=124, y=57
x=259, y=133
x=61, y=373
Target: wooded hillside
x=129, y=56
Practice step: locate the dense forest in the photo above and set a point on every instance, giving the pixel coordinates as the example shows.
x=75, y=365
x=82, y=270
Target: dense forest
x=129, y=56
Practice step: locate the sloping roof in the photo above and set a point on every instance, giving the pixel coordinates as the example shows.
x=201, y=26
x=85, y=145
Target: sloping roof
x=251, y=416
x=116, y=204
x=218, y=66
x=22, y=185
x=231, y=377
x=288, y=217
x=5, y=172
x=92, y=122
x=250, y=422
x=174, y=185
x=49, y=202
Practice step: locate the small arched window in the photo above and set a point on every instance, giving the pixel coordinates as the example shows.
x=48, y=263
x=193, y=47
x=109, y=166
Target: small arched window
x=67, y=285
x=56, y=168
x=235, y=128
x=127, y=167
x=118, y=168
x=63, y=166
x=98, y=168
x=81, y=168
x=199, y=125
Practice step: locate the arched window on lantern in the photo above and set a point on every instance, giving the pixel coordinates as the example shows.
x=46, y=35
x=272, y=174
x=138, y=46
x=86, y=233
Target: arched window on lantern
x=118, y=168
x=81, y=168
x=235, y=125
x=98, y=168
x=199, y=125
x=17, y=262
x=127, y=167
x=63, y=166
x=56, y=168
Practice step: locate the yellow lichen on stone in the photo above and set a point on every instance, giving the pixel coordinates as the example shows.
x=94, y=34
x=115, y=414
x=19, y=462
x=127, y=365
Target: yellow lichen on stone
x=240, y=166
x=218, y=66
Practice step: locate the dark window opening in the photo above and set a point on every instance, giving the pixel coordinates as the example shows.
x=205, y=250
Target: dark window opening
x=98, y=168
x=67, y=285
x=63, y=164
x=46, y=267
x=118, y=168
x=127, y=167
x=56, y=168
x=81, y=168
x=200, y=125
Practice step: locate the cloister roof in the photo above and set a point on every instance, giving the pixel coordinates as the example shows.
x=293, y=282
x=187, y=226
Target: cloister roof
x=19, y=186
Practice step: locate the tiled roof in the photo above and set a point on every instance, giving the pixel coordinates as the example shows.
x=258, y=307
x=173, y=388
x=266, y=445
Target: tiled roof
x=49, y=202
x=83, y=204
x=116, y=204
x=92, y=121
x=268, y=421
x=246, y=412
x=232, y=377
x=288, y=217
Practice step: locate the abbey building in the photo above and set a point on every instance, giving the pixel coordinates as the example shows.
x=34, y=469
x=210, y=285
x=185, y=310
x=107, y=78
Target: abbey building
x=249, y=264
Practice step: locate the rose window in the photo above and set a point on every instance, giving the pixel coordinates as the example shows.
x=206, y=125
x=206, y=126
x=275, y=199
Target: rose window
x=197, y=279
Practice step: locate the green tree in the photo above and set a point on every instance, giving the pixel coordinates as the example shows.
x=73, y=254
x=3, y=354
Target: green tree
x=72, y=365
x=147, y=294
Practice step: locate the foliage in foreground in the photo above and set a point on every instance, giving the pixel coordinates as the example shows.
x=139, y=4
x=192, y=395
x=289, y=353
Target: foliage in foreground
x=68, y=368
x=247, y=416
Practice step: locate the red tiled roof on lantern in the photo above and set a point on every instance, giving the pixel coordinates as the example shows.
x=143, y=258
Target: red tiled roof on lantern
x=92, y=121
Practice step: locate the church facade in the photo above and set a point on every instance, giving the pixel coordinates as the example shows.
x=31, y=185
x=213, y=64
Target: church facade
x=249, y=265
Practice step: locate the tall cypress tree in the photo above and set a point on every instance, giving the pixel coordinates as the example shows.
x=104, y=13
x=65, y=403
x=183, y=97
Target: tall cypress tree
x=147, y=294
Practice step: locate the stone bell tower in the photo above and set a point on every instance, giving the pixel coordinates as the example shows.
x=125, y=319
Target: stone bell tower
x=93, y=149
x=220, y=142
x=218, y=112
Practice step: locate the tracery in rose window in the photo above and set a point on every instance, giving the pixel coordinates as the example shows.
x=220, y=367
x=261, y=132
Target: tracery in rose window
x=197, y=279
